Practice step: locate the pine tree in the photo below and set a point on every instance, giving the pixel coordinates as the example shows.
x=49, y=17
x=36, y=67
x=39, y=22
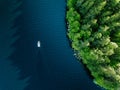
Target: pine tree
x=9, y=75
x=94, y=31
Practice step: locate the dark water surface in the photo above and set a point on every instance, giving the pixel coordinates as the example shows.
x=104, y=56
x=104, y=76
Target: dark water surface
x=53, y=66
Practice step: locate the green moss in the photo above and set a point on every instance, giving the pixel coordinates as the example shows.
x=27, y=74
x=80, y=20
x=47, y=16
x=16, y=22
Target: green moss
x=94, y=32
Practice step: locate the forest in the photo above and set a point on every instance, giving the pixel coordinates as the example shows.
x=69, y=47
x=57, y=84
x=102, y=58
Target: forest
x=94, y=34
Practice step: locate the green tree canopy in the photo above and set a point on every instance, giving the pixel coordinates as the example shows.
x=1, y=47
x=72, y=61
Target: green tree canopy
x=94, y=32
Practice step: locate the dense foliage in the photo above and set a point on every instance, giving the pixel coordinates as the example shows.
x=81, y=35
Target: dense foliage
x=94, y=32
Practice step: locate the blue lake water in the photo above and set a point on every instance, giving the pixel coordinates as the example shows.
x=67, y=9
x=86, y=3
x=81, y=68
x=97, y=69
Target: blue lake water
x=53, y=65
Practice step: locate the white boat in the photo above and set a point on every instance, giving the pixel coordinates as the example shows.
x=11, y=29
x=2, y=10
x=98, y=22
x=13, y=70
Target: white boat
x=38, y=44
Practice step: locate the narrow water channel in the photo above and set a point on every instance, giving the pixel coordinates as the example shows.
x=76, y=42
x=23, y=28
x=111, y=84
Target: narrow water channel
x=55, y=67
